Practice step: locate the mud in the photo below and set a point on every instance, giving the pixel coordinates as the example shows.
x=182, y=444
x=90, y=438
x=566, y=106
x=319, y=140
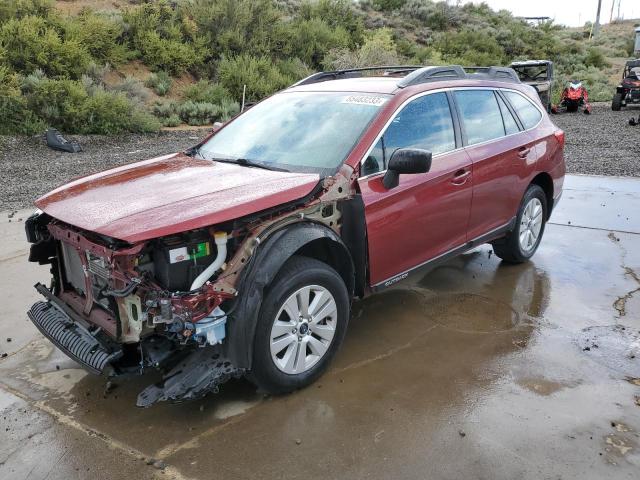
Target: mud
x=478, y=370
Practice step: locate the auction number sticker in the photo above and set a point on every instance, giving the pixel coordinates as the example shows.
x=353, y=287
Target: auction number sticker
x=365, y=100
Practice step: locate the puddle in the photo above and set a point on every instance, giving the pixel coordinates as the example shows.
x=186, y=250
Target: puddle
x=542, y=386
x=467, y=312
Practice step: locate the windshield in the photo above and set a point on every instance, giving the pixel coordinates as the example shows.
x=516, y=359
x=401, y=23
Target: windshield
x=296, y=131
x=528, y=73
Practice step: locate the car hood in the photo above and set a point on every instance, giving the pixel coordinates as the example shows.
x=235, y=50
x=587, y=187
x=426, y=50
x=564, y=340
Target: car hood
x=170, y=194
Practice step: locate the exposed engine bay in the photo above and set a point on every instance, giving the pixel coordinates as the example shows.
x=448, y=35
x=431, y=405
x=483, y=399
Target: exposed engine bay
x=120, y=308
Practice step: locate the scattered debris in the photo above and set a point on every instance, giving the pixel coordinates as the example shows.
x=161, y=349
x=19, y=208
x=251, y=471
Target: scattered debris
x=4, y=355
x=613, y=346
x=612, y=237
x=462, y=433
x=298, y=441
x=156, y=463
x=635, y=381
x=637, y=400
x=109, y=387
x=8, y=339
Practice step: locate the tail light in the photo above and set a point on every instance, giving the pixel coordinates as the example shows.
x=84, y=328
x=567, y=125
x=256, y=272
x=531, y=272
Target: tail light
x=559, y=134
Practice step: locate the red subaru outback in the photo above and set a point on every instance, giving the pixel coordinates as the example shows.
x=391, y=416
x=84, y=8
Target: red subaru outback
x=241, y=256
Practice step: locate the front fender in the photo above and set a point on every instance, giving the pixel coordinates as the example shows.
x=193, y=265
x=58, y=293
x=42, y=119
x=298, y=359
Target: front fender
x=269, y=259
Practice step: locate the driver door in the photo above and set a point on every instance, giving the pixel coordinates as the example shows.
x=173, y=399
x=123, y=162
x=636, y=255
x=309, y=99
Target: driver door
x=427, y=214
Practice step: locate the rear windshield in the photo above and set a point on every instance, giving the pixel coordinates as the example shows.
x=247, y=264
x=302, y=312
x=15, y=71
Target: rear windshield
x=297, y=131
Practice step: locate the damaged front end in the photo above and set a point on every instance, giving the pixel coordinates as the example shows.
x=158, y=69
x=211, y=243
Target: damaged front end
x=119, y=308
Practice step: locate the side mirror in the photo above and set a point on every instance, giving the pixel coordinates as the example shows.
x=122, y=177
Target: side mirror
x=406, y=160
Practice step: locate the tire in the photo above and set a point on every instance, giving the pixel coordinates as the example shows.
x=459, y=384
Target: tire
x=286, y=370
x=511, y=248
x=616, y=103
x=572, y=107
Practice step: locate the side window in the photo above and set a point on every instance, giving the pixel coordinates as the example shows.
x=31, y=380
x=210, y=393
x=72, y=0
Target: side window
x=510, y=125
x=480, y=114
x=424, y=123
x=529, y=114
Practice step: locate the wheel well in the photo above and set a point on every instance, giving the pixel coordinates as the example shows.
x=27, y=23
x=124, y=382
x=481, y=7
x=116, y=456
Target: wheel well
x=546, y=183
x=334, y=255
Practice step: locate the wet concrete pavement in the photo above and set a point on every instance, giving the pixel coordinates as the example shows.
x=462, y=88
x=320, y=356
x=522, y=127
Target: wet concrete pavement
x=478, y=370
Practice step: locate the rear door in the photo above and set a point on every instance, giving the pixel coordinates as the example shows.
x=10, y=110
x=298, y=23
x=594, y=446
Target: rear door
x=497, y=148
x=426, y=215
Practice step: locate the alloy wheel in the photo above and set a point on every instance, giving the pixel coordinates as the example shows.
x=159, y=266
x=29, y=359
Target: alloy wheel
x=303, y=329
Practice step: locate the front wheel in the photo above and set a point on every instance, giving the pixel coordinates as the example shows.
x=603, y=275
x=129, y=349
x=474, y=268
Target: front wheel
x=301, y=325
x=520, y=244
x=616, y=103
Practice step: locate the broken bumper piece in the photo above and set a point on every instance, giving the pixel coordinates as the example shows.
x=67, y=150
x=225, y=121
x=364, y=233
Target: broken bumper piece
x=198, y=374
x=74, y=340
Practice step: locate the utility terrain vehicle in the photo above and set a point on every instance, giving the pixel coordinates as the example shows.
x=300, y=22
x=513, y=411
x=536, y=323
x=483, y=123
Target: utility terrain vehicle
x=628, y=92
x=538, y=74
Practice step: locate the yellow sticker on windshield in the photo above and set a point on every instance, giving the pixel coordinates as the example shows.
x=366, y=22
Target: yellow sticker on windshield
x=365, y=100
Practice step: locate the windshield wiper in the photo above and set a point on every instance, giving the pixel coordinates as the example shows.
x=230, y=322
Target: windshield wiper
x=245, y=162
x=252, y=163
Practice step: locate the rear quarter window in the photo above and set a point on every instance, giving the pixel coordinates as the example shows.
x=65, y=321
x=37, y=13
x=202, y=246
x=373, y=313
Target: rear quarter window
x=528, y=113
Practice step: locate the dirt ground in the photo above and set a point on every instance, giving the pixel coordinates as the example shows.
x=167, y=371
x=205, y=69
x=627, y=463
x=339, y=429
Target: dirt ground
x=600, y=144
x=479, y=370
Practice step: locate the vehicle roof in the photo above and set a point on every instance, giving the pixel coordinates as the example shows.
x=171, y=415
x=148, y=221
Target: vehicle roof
x=633, y=63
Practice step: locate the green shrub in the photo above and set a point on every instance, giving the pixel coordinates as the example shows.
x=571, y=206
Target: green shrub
x=198, y=113
x=207, y=92
x=310, y=40
x=81, y=106
x=174, y=56
x=160, y=82
x=21, y=8
x=171, y=121
x=16, y=117
x=227, y=109
x=261, y=76
x=470, y=48
x=133, y=89
x=378, y=49
x=164, y=38
x=335, y=13
x=101, y=35
x=387, y=5
x=31, y=42
x=595, y=58
x=233, y=27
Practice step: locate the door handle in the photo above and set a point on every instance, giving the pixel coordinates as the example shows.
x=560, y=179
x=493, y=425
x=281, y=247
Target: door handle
x=460, y=177
x=523, y=152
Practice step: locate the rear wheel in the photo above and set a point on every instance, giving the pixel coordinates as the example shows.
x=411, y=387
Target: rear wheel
x=520, y=244
x=301, y=325
x=616, y=103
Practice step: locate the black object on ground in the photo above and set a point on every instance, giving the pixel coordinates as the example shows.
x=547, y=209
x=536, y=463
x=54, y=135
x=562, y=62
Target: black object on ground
x=56, y=141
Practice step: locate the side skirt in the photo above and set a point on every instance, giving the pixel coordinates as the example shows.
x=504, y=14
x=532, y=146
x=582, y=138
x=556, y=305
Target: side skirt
x=430, y=264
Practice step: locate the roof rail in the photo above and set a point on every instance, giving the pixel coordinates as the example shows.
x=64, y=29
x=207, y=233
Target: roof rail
x=415, y=74
x=354, y=73
x=434, y=74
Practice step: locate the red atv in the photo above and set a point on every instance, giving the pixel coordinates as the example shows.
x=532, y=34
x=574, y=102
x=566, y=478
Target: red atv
x=573, y=97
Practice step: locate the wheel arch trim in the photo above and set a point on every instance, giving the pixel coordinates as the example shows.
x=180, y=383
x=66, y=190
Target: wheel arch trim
x=270, y=257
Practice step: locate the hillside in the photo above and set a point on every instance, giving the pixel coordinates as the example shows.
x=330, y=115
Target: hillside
x=111, y=66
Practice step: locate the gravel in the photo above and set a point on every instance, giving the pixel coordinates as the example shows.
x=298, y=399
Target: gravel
x=602, y=143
